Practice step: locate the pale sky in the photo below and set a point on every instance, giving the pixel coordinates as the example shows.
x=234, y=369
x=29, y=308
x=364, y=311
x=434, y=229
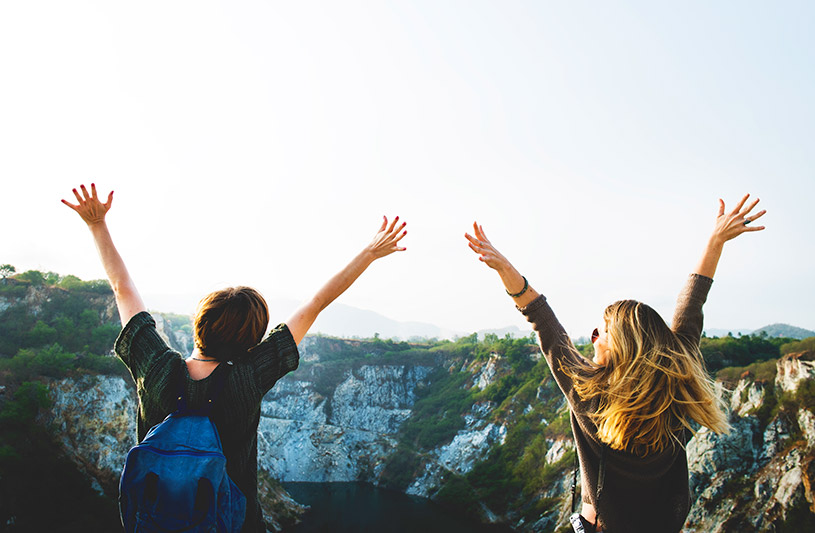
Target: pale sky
x=260, y=143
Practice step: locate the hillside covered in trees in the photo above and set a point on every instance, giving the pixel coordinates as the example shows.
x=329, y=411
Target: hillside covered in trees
x=54, y=326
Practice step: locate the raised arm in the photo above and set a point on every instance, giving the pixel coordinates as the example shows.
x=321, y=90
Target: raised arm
x=93, y=212
x=728, y=226
x=555, y=344
x=688, y=317
x=385, y=242
x=516, y=285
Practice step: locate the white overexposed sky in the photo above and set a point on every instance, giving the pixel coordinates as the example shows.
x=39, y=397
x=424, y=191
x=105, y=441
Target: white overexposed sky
x=260, y=143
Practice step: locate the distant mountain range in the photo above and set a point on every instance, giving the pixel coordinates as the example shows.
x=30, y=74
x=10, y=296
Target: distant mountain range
x=340, y=320
x=785, y=330
x=773, y=330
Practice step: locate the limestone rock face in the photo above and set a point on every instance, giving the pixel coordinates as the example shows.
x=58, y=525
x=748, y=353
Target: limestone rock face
x=345, y=429
x=468, y=447
x=794, y=369
x=755, y=477
x=488, y=372
x=346, y=436
x=376, y=399
x=177, y=339
x=747, y=396
x=93, y=418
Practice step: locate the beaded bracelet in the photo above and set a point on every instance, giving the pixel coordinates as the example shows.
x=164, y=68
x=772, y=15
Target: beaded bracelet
x=517, y=294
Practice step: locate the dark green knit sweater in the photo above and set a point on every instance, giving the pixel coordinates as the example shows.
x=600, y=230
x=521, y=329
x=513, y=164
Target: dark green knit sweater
x=159, y=372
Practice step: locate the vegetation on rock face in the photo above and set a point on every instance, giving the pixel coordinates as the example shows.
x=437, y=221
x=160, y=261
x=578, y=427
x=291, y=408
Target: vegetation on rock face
x=522, y=396
x=761, y=371
x=53, y=326
x=56, y=325
x=40, y=490
x=729, y=351
x=804, y=345
x=50, y=327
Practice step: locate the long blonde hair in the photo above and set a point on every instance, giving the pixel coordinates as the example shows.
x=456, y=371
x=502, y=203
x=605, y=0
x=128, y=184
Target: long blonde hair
x=652, y=385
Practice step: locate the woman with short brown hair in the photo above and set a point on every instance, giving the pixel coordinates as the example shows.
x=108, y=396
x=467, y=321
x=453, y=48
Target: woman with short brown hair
x=228, y=328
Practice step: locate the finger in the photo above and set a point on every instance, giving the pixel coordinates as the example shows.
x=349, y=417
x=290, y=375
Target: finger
x=758, y=215
x=475, y=242
x=395, y=220
x=110, y=200
x=753, y=228
x=750, y=207
x=479, y=231
x=400, y=237
x=69, y=204
x=740, y=204
x=93, y=192
x=483, y=234
x=85, y=192
x=384, y=223
x=78, y=197
x=394, y=235
x=470, y=238
x=721, y=207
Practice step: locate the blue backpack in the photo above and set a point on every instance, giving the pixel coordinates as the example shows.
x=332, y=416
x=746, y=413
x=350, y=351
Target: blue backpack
x=175, y=479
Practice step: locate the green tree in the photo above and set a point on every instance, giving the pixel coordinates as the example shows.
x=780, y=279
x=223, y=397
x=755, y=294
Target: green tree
x=28, y=399
x=41, y=334
x=33, y=277
x=71, y=282
x=6, y=271
x=804, y=345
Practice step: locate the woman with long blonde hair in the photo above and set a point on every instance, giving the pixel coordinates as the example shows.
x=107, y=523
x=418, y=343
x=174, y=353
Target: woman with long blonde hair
x=635, y=404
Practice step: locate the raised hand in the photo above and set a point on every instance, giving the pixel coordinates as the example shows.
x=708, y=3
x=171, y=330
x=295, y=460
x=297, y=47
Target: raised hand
x=89, y=206
x=515, y=284
x=731, y=225
x=487, y=253
x=386, y=240
x=93, y=211
x=728, y=226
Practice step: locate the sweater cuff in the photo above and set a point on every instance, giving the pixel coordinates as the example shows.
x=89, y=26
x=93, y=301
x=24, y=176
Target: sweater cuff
x=131, y=329
x=542, y=317
x=138, y=342
x=532, y=306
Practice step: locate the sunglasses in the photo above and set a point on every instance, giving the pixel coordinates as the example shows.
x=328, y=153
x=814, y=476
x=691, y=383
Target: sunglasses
x=595, y=335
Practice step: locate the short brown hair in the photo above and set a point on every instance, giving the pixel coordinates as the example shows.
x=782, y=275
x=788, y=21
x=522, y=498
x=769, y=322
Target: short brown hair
x=229, y=322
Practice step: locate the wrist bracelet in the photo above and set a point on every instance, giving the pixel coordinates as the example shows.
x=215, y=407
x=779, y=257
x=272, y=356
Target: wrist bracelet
x=526, y=286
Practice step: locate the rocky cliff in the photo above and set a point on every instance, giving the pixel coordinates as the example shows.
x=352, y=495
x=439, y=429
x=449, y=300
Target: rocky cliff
x=760, y=476
x=350, y=427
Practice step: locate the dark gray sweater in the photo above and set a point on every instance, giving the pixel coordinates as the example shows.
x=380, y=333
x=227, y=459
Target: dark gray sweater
x=648, y=494
x=159, y=372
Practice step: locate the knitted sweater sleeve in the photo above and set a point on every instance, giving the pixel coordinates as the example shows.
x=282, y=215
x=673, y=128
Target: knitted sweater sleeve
x=556, y=347
x=273, y=358
x=688, y=319
x=139, y=345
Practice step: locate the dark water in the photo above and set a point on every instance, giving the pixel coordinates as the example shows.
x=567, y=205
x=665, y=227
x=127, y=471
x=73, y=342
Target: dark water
x=360, y=507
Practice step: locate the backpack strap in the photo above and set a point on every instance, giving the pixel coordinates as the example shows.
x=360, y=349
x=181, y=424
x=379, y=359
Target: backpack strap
x=601, y=478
